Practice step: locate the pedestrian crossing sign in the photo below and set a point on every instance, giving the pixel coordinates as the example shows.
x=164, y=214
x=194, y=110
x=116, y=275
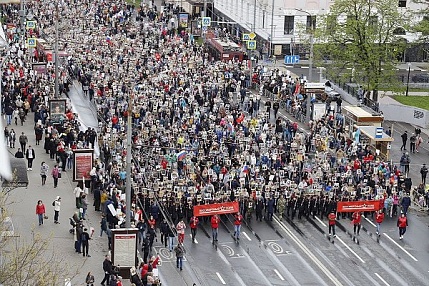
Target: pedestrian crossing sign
x=31, y=42
x=246, y=37
x=206, y=21
x=251, y=45
x=30, y=25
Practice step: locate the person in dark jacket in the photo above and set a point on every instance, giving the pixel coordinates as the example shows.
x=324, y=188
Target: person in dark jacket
x=405, y=203
x=270, y=209
x=108, y=270
x=19, y=154
x=85, y=242
x=259, y=209
x=164, y=232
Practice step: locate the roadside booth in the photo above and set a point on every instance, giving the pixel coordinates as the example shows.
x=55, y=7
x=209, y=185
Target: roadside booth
x=378, y=141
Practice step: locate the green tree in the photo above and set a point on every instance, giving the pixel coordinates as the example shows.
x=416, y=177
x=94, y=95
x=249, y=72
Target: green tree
x=420, y=25
x=359, y=39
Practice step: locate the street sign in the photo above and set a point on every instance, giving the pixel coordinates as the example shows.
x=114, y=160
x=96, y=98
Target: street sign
x=252, y=35
x=291, y=59
x=206, y=21
x=31, y=25
x=379, y=132
x=246, y=37
x=31, y=42
x=251, y=45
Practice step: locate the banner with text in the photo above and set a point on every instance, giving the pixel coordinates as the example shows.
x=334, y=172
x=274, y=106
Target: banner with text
x=212, y=209
x=363, y=206
x=83, y=160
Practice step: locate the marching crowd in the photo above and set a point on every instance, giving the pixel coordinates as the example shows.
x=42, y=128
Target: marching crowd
x=198, y=134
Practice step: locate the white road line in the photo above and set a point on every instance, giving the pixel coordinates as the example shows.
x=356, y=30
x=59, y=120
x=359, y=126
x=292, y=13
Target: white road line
x=403, y=249
x=195, y=240
x=245, y=234
x=373, y=224
x=351, y=250
x=279, y=275
x=220, y=278
x=321, y=222
x=309, y=254
x=382, y=280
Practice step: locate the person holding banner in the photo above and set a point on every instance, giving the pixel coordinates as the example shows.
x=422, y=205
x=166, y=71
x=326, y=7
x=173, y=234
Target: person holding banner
x=215, y=225
x=379, y=219
x=402, y=225
x=357, y=222
x=194, y=224
x=332, y=221
x=237, y=225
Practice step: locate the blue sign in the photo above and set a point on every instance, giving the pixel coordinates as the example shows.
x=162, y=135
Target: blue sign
x=379, y=132
x=291, y=59
x=251, y=45
x=246, y=37
x=206, y=21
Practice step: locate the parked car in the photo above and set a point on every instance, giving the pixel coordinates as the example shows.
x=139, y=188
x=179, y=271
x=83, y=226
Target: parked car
x=421, y=77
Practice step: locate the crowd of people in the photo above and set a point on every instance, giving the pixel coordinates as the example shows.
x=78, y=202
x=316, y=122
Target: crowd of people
x=199, y=133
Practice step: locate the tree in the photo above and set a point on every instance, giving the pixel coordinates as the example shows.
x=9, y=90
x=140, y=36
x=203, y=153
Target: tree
x=421, y=25
x=27, y=261
x=358, y=37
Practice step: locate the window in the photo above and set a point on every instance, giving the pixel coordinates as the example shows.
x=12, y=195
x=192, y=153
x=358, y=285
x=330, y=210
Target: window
x=402, y=3
x=311, y=23
x=289, y=25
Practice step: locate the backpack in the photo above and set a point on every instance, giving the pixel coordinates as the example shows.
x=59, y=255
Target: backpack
x=53, y=203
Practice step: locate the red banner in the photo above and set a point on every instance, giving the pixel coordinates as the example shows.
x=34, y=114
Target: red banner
x=212, y=209
x=363, y=206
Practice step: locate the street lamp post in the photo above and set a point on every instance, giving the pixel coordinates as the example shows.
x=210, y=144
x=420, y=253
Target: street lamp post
x=272, y=30
x=310, y=63
x=408, y=79
x=128, y=159
x=57, y=89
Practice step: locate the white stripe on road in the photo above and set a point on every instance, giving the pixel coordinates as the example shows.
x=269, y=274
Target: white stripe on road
x=245, y=234
x=351, y=250
x=321, y=222
x=195, y=240
x=309, y=253
x=279, y=275
x=220, y=278
x=373, y=224
x=403, y=249
x=382, y=280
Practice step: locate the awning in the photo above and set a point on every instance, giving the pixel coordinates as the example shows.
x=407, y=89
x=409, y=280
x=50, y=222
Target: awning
x=19, y=174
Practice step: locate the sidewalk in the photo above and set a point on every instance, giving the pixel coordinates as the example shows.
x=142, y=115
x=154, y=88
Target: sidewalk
x=60, y=240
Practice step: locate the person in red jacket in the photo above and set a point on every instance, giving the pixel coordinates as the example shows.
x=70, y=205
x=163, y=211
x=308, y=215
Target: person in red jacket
x=215, y=224
x=379, y=219
x=238, y=218
x=40, y=211
x=194, y=224
x=332, y=217
x=402, y=224
x=357, y=220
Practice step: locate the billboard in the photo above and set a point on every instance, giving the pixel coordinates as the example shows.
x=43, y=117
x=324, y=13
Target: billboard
x=82, y=159
x=363, y=206
x=212, y=209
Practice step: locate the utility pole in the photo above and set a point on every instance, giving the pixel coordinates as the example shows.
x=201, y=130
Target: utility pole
x=128, y=168
x=205, y=9
x=272, y=29
x=57, y=92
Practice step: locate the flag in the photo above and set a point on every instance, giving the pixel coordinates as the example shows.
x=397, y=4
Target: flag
x=230, y=127
x=245, y=169
x=181, y=155
x=5, y=168
x=108, y=39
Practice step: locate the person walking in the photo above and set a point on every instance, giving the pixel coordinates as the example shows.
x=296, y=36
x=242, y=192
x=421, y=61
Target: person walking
x=194, y=225
x=332, y=218
x=164, y=231
x=357, y=222
x=108, y=270
x=402, y=225
x=84, y=205
x=12, y=138
x=103, y=225
x=89, y=280
x=84, y=238
x=23, y=141
x=238, y=218
x=413, y=140
x=40, y=211
x=19, y=154
x=55, y=175
x=214, y=221
x=180, y=227
x=404, y=138
x=78, y=192
x=180, y=251
x=57, y=207
x=44, y=169
x=379, y=219
x=405, y=203
x=423, y=173
x=30, y=155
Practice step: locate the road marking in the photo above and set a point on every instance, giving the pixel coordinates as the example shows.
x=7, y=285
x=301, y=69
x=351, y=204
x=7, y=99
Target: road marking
x=351, y=250
x=403, y=249
x=373, y=224
x=382, y=280
x=195, y=240
x=321, y=222
x=245, y=234
x=279, y=275
x=220, y=278
x=309, y=253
